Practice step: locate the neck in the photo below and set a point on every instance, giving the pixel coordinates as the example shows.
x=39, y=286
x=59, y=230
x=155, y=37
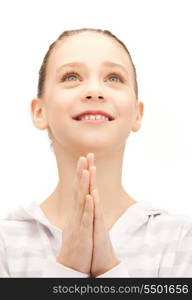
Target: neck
x=113, y=197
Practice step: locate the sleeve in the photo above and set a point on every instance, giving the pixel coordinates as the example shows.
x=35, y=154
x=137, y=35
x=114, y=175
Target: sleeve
x=119, y=271
x=4, y=272
x=182, y=264
x=55, y=269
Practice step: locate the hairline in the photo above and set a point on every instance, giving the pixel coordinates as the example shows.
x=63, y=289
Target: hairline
x=72, y=33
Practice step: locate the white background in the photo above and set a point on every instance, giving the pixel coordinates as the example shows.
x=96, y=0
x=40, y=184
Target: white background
x=158, y=159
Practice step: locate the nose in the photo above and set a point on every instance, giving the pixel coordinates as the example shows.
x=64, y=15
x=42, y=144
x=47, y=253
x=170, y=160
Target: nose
x=94, y=91
x=90, y=97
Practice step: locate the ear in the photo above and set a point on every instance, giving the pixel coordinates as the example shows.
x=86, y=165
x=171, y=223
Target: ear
x=139, y=108
x=38, y=114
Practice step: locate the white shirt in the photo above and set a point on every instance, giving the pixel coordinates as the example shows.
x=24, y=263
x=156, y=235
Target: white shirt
x=148, y=241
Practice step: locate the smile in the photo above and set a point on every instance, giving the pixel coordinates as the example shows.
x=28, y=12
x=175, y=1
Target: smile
x=93, y=121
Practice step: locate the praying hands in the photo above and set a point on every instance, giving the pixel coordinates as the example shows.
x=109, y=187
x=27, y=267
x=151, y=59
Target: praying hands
x=86, y=245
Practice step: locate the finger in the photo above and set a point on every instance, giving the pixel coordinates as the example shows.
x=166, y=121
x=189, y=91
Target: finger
x=81, y=165
x=92, y=169
x=90, y=159
x=81, y=183
x=93, y=183
x=87, y=218
x=78, y=173
x=83, y=186
x=99, y=224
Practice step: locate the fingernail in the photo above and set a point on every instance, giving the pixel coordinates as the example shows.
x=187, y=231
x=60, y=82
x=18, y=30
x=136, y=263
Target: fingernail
x=94, y=192
x=79, y=161
x=81, y=158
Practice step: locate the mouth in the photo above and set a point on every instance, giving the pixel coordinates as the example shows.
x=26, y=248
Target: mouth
x=93, y=117
x=99, y=121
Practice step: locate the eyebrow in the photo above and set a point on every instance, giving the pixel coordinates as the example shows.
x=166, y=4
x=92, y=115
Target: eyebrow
x=106, y=63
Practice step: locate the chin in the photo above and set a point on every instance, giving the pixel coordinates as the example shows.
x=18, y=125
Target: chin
x=92, y=145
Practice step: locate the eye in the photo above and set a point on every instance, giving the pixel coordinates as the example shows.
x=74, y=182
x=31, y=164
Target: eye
x=70, y=75
x=114, y=75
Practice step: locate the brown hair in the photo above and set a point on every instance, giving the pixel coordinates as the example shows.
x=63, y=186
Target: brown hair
x=68, y=33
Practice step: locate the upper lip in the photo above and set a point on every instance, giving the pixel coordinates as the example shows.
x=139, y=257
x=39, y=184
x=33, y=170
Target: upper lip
x=93, y=112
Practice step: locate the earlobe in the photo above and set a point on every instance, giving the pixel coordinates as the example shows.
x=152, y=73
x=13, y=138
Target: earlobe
x=137, y=123
x=136, y=126
x=38, y=114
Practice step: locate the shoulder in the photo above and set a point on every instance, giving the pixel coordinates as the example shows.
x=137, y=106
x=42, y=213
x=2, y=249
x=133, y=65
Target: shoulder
x=161, y=222
x=18, y=220
x=12, y=231
x=175, y=226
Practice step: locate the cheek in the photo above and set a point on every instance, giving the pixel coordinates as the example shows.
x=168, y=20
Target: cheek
x=60, y=102
x=59, y=111
x=126, y=117
x=126, y=109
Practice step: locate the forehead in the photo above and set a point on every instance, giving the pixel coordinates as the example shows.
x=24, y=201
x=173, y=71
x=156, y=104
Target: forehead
x=90, y=48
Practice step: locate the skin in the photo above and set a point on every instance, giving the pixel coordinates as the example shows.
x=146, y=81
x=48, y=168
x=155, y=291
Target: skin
x=105, y=143
x=85, y=231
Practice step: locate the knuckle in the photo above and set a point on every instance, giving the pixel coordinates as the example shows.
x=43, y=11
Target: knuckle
x=81, y=198
x=98, y=217
x=74, y=184
x=86, y=220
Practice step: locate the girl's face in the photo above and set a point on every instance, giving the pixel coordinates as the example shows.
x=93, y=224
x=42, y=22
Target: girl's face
x=97, y=66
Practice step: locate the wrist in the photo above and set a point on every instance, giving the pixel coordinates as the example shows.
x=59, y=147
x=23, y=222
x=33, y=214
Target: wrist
x=105, y=269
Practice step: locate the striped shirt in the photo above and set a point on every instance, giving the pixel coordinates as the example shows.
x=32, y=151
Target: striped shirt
x=148, y=241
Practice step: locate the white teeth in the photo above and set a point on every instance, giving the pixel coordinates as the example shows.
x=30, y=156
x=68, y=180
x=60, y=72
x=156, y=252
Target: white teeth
x=94, y=117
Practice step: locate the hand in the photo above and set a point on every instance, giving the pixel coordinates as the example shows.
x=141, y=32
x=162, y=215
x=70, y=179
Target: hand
x=104, y=257
x=77, y=234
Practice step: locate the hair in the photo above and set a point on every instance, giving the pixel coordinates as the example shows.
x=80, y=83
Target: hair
x=68, y=33
x=63, y=36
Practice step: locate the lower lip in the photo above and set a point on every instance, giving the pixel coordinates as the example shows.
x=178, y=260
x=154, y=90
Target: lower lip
x=93, y=121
